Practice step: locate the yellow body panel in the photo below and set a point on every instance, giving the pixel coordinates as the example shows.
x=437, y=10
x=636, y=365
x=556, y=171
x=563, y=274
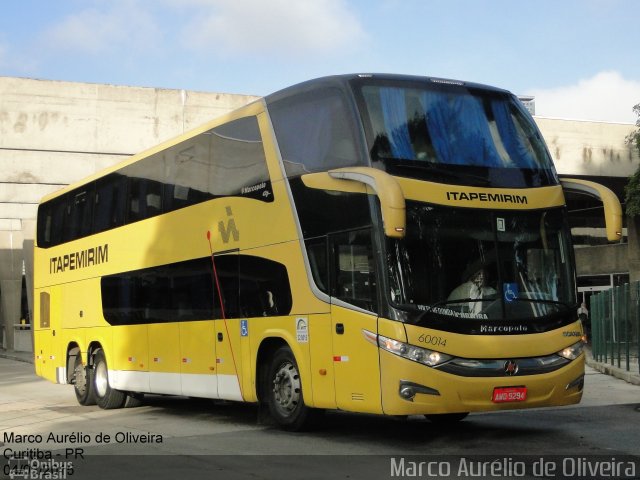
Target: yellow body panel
x=471, y=394
x=355, y=361
x=198, y=348
x=164, y=348
x=391, y=329
x=321, y=361
x=129, y=348
x=479, y=197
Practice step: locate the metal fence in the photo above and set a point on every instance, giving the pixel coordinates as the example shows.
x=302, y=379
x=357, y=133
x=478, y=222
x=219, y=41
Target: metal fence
x=615, y=326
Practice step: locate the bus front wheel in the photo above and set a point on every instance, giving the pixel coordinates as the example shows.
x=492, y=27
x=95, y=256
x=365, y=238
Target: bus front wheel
x=83, y=384
x=106, y=397
x=284, y=392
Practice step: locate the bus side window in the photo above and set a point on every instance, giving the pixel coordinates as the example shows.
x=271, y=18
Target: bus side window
x=45, y=220
x=80, y=210
x=353, y=270
x=314, y=132
x=318, y=261
x=226, y=278
x=237, y=157
x=187, y=173
x=109, y=203
x=264, y=287
x=144, y=199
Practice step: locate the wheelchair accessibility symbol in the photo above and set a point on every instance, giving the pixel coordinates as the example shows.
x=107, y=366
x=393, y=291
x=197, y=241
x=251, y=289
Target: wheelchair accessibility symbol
x=244, y=328
x=510, y=292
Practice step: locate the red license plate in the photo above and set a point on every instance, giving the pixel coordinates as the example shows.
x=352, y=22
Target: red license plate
x=509, y=394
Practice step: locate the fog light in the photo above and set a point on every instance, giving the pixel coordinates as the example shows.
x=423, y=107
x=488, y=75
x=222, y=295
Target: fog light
x=407, y=393
x=408, y=390
x=578, y=382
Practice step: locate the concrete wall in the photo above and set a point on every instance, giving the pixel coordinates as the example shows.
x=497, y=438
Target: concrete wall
x=602, y=259
x=589, y=148
x=633, y=225
x=54, y=133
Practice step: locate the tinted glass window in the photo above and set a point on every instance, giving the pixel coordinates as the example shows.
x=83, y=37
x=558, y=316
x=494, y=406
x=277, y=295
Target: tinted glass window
x=187, y=173
x=168, y=293
x=353, y=271
x=315, y=132
x=339, y=211
x=264, y=288
x=238, y=162
x=144, y=199
x=227, y=160
x=44, y=224
x=467, y=264
x=188, y=291
x=52, y=216
x=109, y=202
x=454, y=134
x=225, y=277
x=80, y=210
x=319, y=262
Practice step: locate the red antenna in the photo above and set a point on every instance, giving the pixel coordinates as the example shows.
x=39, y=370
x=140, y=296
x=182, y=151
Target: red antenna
x=215, y=277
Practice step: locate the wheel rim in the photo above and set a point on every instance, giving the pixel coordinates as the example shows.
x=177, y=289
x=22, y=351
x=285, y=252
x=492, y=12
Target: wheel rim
x=80, y=379
x=101, y=380
x=286, y=389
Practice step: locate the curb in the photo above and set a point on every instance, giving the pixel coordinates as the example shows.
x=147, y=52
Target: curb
x=608, y=369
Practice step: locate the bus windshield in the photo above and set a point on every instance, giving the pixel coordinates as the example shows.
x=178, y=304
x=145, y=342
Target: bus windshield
x=479, y=264
x=453, y=134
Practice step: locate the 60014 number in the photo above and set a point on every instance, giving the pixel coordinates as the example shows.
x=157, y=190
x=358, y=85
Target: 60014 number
x=432, y=340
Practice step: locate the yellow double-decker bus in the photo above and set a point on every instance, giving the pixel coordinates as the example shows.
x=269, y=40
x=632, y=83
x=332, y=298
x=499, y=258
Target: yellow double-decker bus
x=370, y=243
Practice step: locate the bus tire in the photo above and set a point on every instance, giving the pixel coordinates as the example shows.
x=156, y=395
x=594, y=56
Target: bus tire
x=284, y=392
x=106, y=397
x=446, y=418
x=83, y=384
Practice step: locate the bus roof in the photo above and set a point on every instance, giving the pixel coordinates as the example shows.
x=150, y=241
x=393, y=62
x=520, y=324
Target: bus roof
x=340, y=81
x=343, y=81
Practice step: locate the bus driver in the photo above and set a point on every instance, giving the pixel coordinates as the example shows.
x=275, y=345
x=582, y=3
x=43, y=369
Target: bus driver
x=473, y=291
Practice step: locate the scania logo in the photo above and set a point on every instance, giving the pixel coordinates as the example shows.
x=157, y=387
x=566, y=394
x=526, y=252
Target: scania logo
x=510, y=367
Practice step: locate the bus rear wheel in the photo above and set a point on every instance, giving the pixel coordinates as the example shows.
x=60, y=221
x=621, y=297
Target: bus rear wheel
x=83, y=384
x=284, y=392
x=106, y=397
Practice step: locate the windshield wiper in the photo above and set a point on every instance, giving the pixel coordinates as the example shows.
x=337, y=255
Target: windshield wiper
x=430, y=308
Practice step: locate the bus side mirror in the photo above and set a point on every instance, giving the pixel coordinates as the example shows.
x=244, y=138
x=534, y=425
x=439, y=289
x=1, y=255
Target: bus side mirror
x=365, y=180
x=612, y=208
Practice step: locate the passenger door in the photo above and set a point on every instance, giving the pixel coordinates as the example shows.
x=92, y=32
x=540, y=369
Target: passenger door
x=227, y=325
x=354, y=301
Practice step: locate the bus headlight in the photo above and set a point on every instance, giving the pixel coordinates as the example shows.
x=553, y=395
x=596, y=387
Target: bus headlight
x=572, y=352
x=424, y=356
